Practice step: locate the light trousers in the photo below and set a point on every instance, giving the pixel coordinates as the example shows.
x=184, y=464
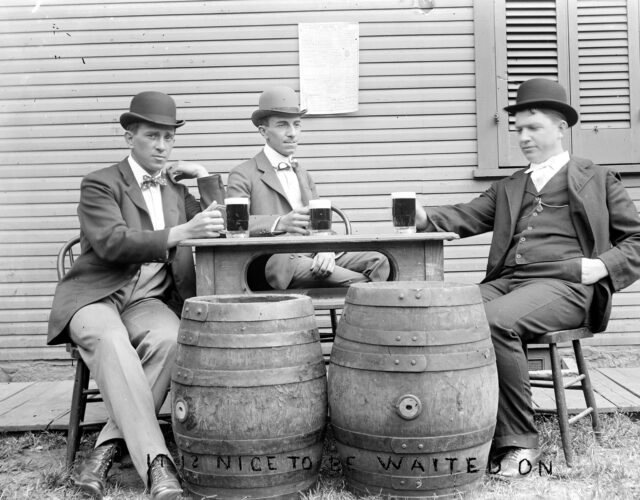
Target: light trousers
x=130, y=351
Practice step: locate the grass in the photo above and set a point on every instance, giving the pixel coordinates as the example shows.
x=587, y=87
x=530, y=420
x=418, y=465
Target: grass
x=32, y=467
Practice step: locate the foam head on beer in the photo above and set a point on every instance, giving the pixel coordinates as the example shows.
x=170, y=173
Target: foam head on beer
x=320, y=216
x=237, y=217
x=403, y=208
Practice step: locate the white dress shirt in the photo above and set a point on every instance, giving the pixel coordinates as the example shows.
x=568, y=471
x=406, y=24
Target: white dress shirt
x=541, y=173
x=152, y=196
x=288, y=177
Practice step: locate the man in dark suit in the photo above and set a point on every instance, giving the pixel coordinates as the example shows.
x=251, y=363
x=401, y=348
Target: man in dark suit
x=279, y=191
x=120, y=302
x=566, y=235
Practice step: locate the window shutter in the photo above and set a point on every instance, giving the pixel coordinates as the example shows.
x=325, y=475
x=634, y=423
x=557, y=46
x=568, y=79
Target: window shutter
x=533, y=48
x=603, y=40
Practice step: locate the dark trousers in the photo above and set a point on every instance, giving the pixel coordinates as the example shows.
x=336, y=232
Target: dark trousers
x=518, y=309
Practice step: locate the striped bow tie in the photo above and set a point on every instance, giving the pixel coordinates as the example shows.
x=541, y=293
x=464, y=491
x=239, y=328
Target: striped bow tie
x=148, y=181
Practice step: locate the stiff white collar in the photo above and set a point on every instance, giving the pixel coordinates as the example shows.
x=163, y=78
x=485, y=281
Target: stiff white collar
x=274, y=157
x=555, y=162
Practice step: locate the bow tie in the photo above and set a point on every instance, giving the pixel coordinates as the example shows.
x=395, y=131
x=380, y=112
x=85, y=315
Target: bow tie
x=283, y=166
x=148, y=181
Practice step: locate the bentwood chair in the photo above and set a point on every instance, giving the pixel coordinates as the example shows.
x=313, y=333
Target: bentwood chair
x=81, y=394
x=543, y=378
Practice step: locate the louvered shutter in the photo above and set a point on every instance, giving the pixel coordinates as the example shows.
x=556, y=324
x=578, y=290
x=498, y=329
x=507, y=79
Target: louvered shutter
x=604, y=43
x=591, y=47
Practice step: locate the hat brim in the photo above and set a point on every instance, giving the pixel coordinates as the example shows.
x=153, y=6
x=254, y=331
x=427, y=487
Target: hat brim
x=128, y=118
x=567, y=111
x=259, y=114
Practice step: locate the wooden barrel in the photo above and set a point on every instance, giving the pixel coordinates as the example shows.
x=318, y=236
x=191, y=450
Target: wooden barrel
x=413, y=389
x=249, y=396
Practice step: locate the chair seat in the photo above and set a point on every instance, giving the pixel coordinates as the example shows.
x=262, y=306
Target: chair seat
x=562, y=336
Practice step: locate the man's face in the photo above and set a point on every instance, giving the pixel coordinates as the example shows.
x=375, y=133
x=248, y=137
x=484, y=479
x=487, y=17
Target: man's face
x=539, y=135
x=151, y=145
x=282, y=133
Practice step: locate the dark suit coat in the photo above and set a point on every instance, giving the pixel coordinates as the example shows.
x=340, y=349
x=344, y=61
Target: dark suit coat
x=257, y=180
x=604, y=216
x=117, y=236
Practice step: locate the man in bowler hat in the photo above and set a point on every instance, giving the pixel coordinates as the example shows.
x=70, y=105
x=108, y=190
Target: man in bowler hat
x=566, y=235
x=120, y=301
x=279, y=190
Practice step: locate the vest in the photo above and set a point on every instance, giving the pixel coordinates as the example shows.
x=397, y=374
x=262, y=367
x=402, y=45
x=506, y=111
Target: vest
x=545, y=244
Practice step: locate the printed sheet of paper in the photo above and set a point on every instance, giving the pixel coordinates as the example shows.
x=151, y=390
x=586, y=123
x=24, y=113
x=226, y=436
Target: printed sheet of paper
x=329, y=67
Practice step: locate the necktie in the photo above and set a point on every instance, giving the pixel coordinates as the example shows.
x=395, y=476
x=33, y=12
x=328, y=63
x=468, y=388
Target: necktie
x=540, y=175
x=283, y=166
x=148, y=181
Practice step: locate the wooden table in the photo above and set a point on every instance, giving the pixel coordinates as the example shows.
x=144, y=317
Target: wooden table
x=221, y=264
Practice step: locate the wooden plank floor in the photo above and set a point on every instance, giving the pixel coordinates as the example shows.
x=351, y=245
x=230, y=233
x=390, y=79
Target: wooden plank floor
x=32, y=406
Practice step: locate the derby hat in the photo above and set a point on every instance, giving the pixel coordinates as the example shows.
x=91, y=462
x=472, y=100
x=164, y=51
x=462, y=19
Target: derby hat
x=151, y=107
x=546, y=94
x=279, y=100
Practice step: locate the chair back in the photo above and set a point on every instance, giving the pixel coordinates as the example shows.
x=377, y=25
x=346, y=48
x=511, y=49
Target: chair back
x=66, y=256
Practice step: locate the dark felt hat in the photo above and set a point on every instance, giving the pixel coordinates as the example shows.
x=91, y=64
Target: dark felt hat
x=151, y=107
x=279, y=100
x=543, y=93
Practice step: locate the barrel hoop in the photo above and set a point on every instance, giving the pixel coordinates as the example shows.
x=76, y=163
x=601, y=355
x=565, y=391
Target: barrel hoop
x=249, y=378
x=413, y=295
x=247, y=308
x=412, y=337
x=413, y=445
x=242, y=340
x=255, y=480
x=416, y=363
x=263, y=493
x=248, y=446
x=411, y=483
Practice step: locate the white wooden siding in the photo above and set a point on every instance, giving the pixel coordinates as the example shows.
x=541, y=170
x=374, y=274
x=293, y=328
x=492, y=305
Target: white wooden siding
x=68, y=69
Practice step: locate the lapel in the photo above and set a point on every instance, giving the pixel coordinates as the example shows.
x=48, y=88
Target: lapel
x=581, y=214
x=170, y=203
x=514, y=188
x=268, y=174
x=305, y=190
x=132, y=189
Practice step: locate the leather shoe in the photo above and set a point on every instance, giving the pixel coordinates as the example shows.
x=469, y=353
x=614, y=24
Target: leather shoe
x=163, y=479
x=91, y=474
x=516, y=463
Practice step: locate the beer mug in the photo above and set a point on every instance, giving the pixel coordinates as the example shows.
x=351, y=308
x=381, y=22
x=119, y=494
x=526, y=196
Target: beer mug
x=403, y=210
x=320, y=216
x=237, y=217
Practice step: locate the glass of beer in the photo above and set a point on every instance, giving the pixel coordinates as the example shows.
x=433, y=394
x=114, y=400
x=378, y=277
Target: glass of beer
x=320, y=216
x=237, y=217
x=403, y=209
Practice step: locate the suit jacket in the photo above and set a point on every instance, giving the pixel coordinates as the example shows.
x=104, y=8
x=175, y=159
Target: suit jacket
x=604, y=216
x=117, y=236
x=257, y=180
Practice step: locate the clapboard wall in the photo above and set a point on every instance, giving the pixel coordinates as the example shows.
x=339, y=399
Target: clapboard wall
x=69, y=68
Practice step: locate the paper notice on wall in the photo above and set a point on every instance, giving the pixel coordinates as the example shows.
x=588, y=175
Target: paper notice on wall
x=329, y=67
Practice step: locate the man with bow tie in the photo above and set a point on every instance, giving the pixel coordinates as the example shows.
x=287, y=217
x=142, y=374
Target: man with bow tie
x=566, y=235
x=279, y=191
x=120, y=302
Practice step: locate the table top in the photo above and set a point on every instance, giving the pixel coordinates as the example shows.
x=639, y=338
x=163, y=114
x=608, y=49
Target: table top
x=290, y=240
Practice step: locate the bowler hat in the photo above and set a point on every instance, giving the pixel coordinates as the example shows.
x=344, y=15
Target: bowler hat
x=278, y=100
x=151, y=107
x=543, y=93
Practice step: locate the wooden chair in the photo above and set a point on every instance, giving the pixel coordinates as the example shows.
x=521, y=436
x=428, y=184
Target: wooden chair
x=555, y=379
x=81, y=394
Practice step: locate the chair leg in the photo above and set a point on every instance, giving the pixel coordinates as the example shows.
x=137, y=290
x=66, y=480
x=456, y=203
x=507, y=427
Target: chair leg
x=587, y=390
x=76, y=414
x=561, y=404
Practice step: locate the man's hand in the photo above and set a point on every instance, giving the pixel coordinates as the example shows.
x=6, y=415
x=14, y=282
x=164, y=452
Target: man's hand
x=186, y=170
x=593, y=270
x=421, y=217
x=295, y=222
x=206, y=224
x=323, y=264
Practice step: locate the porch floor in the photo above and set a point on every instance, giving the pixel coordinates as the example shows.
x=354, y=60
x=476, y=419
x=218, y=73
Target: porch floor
x=38, y=406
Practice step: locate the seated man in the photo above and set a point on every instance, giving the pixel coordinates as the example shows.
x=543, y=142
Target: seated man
x=120, y=302
x=279, y=191
x=566, y=235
